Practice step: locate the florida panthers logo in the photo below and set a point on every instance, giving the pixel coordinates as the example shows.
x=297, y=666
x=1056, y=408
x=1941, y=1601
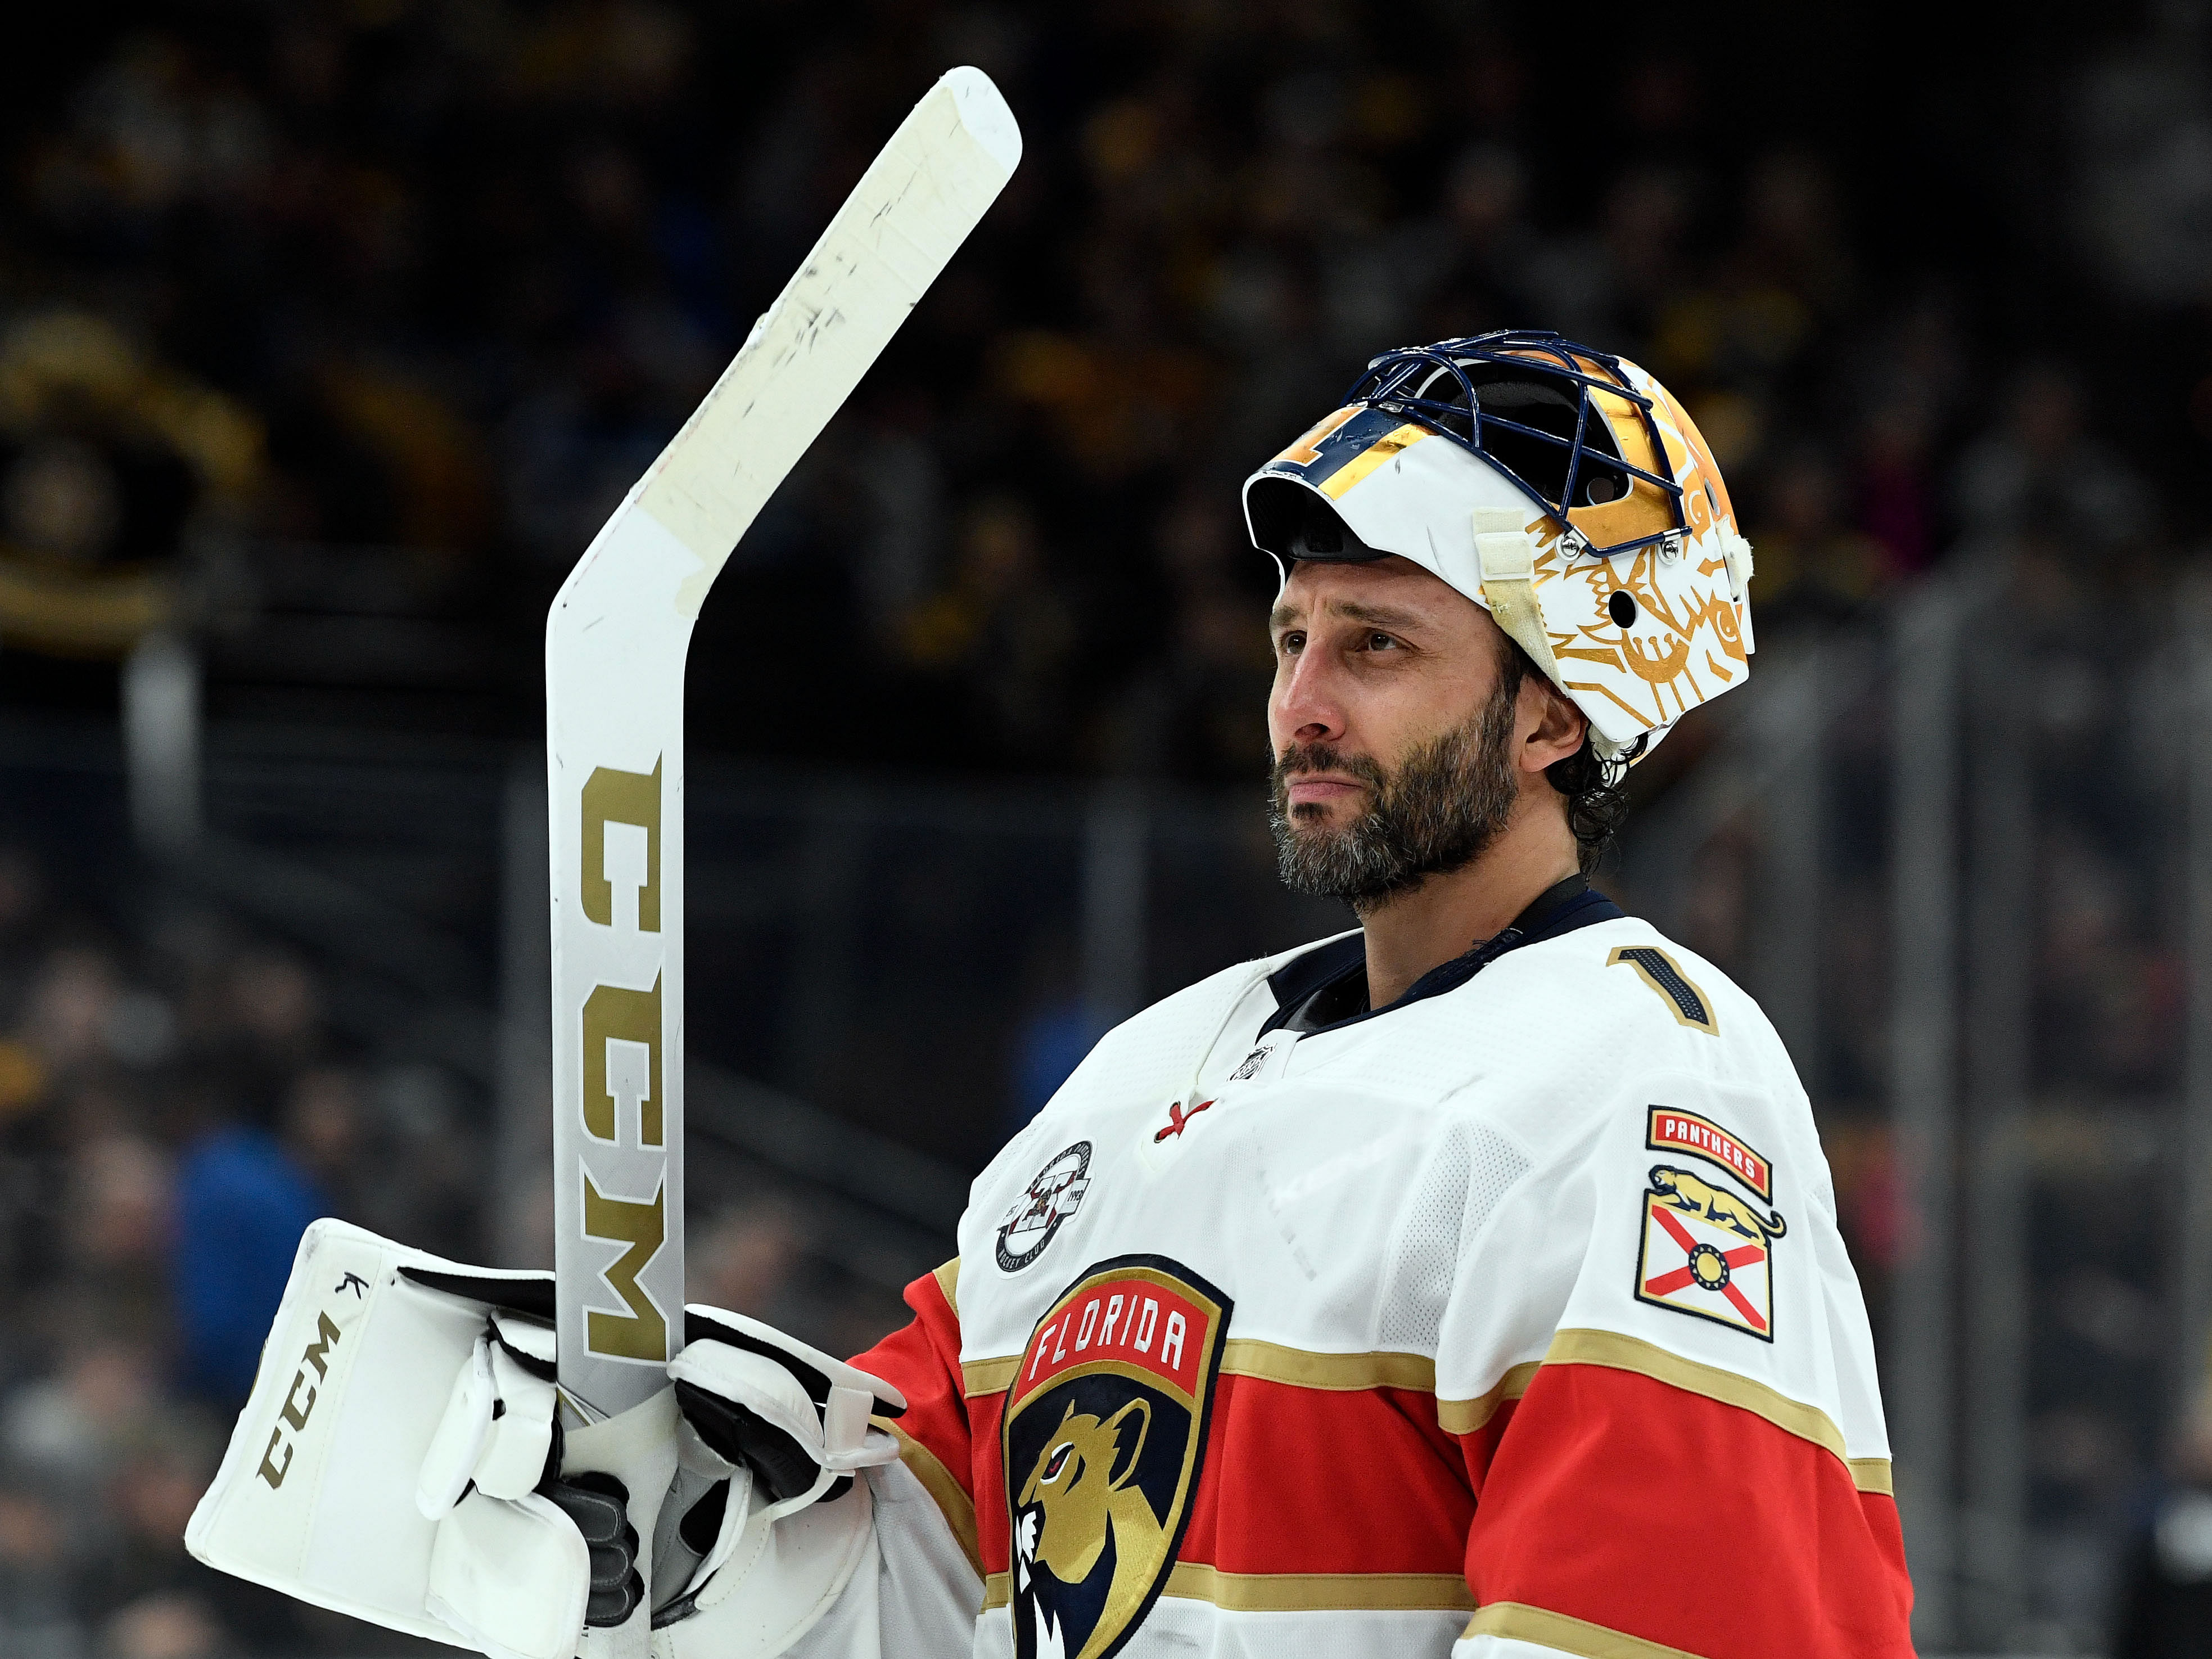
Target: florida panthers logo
x=1105, y=1436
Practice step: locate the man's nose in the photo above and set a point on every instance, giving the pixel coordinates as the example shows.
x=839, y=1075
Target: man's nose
x=1306, y=707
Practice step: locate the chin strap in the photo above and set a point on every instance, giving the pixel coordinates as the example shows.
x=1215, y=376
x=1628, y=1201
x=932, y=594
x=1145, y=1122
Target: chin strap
x=1506, y=554
x=1737, y=551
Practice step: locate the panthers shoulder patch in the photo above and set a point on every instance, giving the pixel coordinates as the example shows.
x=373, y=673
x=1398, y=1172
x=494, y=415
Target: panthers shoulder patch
x=1706, y=1250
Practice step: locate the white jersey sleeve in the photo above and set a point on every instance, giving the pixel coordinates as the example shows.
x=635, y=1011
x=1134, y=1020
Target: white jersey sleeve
x=1654, y=1351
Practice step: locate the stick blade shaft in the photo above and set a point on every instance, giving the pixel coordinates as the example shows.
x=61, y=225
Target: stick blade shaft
x=615, y=646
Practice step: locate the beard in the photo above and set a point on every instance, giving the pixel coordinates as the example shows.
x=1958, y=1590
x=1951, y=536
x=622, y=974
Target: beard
x=1440, y=809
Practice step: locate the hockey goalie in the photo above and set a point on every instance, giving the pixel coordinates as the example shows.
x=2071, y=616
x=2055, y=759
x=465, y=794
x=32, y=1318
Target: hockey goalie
x=1468, y=1284
x=1465, y=1284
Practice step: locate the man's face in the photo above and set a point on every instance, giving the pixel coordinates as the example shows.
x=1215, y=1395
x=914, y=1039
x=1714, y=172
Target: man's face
x=1399, y=753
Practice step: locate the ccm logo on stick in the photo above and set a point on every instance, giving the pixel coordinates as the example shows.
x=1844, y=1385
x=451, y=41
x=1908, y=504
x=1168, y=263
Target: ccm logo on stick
x=614, y=1013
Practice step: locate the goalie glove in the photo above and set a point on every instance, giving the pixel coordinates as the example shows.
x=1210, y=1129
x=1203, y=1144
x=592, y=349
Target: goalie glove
x=773, y=1525
x=797, y=1418
x=400, y=1460
x=756, y=1535
x=503, y=1561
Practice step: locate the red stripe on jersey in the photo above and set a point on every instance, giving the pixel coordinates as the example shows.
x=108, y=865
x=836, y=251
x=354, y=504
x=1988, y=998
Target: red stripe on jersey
x=992, y=1539
x=922, y=1360
x=1295, y=1480
x=1624, y=1502
x=1479, y=1447
x=1328, y=1481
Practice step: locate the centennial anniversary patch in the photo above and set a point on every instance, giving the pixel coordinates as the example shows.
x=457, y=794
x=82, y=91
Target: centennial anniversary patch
x=1055, y=1194
x=1104, y=1439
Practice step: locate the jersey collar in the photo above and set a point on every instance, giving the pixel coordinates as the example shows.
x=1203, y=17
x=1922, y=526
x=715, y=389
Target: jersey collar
x=1333, y=977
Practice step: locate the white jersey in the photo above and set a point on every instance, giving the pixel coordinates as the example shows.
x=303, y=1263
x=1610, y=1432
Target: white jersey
x=1510, y=1320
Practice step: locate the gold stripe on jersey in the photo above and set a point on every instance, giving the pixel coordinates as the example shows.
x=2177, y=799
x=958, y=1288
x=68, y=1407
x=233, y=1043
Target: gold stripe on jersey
x=1871, y=1475
x=981, y=1376
x=1629, y=1353
x=948, y=1280
x=1466, y=1416
x=1514, y=1621
x=936, y=1480
x=1345, y=1373
x=1318, y=1592
x=1295, y=1592
x=1271, y=1362
x=1244, y=1356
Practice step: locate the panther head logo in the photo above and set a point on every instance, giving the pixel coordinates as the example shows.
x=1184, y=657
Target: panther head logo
x=1081, y=1491
x=1104, y=1438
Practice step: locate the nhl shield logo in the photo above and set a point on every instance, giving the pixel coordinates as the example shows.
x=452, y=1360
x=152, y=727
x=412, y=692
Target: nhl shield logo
x=1104, y=1439
x=1707, y=1252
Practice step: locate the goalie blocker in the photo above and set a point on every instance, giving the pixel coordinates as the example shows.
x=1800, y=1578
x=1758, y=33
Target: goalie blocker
x=402, y=1459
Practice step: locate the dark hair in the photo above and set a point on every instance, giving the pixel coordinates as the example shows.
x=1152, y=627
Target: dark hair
x=1598, y=804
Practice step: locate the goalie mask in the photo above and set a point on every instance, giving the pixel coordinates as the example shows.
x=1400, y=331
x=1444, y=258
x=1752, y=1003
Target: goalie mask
x=1562, y=489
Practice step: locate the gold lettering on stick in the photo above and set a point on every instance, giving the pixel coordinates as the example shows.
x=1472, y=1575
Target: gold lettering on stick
x=612, y=797
x=613, y=1011
x=642, y=1334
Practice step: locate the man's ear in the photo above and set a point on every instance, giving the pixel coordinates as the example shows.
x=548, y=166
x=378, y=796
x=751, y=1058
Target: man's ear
x=1552, y=728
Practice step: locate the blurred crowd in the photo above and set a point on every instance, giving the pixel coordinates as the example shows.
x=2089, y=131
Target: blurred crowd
x=175, y=1108
x=448, y=276
x=180, y=1095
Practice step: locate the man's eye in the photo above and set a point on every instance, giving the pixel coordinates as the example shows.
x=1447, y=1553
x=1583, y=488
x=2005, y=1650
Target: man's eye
x=1293, y=643
x=1381, y=642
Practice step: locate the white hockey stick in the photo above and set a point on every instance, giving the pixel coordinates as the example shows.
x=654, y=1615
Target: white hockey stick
x=615, y=646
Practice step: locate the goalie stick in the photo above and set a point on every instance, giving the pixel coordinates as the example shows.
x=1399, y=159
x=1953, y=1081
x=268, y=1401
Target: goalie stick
x=615, y=647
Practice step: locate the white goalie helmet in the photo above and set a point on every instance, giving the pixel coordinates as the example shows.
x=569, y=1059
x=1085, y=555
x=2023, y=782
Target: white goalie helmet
x=1565, y=491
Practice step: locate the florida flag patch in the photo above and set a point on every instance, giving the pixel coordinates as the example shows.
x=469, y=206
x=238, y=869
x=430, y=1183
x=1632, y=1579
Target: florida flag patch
x=1707, y=1252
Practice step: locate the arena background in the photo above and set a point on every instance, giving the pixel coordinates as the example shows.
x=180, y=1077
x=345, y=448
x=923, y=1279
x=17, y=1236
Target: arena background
x=330, y=332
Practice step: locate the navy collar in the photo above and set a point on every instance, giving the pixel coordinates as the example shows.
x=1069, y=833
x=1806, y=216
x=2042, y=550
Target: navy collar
x=1325, y=988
